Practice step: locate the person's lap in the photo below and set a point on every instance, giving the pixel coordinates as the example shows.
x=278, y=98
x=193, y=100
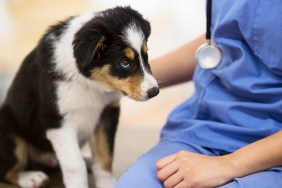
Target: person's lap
x=143, y=173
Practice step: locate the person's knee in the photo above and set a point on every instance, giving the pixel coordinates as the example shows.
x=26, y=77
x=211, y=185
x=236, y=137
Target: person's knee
x=141, y=173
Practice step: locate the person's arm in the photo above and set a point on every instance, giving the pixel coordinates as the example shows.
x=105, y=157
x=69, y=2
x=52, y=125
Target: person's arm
x=186, y=169
x=261, y=155
x=177, y=66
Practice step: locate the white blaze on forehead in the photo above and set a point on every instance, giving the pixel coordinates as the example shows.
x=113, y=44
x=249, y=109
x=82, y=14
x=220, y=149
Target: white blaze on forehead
x=135, y=37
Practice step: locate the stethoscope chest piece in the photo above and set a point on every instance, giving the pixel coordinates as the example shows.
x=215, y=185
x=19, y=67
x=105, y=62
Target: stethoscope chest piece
x=208, y=56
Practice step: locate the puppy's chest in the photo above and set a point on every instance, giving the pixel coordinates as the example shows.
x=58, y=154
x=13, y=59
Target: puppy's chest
x=81, y=106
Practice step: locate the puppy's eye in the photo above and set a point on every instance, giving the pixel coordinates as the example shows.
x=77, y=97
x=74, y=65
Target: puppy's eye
x=125, y=64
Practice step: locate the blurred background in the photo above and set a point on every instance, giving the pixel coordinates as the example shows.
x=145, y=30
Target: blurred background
x=22, y=22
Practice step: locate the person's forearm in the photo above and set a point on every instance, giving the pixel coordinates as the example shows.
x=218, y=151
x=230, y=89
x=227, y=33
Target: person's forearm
x=258, y=156
x=177, y=66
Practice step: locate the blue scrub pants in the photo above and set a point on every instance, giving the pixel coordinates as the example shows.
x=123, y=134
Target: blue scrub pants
x=143, y=173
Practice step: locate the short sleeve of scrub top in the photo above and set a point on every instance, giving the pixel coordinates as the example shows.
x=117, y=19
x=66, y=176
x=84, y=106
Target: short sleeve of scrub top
x=240, y=101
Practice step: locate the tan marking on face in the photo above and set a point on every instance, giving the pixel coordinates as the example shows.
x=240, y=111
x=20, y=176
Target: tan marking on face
x=130, y=86
x=21, y=153
x=145, y=48
x=129, y=53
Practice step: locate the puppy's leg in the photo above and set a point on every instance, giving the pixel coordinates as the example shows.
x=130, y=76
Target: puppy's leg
x=17, y=175
x=65, y=145
x=46, y=159
x=13, y=155
x=102, y=147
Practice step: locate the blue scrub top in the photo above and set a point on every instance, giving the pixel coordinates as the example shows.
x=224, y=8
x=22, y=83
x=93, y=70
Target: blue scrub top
x=240, y=101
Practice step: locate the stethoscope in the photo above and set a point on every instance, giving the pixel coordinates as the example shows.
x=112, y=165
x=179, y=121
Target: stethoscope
x=208, y=55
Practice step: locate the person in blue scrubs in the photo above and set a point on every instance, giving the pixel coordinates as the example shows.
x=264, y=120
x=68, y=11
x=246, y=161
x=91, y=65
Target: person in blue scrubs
x=228, y=134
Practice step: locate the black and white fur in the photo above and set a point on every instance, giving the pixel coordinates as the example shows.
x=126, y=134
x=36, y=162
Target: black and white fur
x=67, y=92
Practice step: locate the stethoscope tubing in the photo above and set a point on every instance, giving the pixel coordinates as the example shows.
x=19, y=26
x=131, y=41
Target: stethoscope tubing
x=208, y=55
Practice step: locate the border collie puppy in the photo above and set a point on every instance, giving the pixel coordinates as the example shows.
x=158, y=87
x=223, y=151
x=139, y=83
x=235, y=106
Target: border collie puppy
x=67, y=92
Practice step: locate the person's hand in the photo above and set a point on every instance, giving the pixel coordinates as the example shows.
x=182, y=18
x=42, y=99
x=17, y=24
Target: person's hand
x=185, y=169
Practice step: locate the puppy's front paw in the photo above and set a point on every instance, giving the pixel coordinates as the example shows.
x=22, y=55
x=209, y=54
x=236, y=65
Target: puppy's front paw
x=108, y=182
x=33, y=179
x=103, y=179
x=105, y=182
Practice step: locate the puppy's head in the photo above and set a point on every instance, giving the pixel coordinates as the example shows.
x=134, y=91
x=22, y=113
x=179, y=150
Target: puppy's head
x=112, y=49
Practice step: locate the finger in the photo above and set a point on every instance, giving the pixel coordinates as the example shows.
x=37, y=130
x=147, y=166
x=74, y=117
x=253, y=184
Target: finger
x=165, y=161
x=167, y=171
x=173, y=180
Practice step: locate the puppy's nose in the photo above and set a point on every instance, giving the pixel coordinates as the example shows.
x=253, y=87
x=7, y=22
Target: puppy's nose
x=153, y=92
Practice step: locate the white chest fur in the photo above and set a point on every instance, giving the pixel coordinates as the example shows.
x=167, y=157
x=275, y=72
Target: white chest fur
x=81, y=105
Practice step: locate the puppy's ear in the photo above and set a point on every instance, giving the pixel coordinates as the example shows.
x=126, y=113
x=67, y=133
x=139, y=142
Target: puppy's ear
x=87, y=46
x=147, y=28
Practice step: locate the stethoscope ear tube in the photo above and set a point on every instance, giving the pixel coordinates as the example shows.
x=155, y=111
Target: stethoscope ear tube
x=208, y=56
